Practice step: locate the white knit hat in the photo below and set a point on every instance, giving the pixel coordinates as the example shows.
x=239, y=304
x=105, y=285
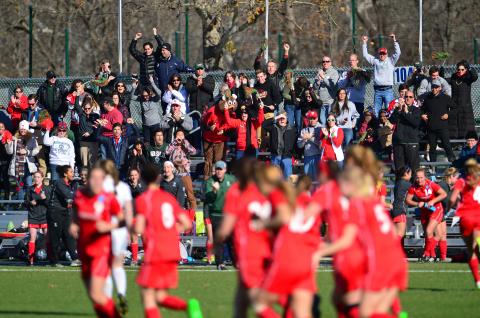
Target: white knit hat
x=24, y=125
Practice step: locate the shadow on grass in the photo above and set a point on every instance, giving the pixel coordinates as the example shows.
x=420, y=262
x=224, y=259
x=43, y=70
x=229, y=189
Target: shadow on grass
x=440, y=290
x=41, y=313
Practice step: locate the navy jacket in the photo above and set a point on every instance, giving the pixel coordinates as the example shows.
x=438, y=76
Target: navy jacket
x=165, y=68
x=119, y=154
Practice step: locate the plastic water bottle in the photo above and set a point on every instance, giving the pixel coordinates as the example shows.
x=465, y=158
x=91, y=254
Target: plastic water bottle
x=429, y=207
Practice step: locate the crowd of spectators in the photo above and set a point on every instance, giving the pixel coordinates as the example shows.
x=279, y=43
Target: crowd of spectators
x=285, y=119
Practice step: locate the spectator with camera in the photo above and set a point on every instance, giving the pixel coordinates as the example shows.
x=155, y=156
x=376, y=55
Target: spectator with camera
x=405, y=139
x=436, y=109
x=59, y=216
x=367, y=133
x=326, y=86
x=383, y=67
x=415, y=79
x=51, y=96
x=384, y=135
x=305, y=99
x=179, y=152
x=176, y=120
x=461, y=82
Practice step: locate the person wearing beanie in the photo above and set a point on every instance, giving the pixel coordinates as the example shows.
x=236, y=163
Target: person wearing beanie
x=470, y=150
x=23, y=147
x=51, y=95
x=168, y=64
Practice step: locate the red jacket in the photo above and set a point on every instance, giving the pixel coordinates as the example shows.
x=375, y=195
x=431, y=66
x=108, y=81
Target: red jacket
x=16, y=110
x=215, y=116
x=327, y=145
x=241, y=129
x=114, y=116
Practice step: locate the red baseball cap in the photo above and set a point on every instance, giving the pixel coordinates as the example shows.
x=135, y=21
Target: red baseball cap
x=382, y=50
x=62, y=125
x=311, y=114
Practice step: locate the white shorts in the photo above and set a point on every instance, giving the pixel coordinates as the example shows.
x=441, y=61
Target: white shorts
x=119, y=241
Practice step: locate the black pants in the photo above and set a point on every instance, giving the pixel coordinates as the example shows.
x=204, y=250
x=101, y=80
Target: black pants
x=5, y=183
x=406, y=155
x=443, y=135
x=219, y=249
x=58, y=232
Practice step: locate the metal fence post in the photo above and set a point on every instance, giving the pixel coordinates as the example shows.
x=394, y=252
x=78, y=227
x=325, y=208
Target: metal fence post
x=354, y=28
x=380, y=42
x=475, y=51
x=280, y=46
x=67, y=53
x=177, y=43
x=187, y=52
x=30, y=40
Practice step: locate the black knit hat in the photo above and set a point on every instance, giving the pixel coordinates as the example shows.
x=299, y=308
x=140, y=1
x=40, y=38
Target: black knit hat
x=167, y=46
x=472, y=134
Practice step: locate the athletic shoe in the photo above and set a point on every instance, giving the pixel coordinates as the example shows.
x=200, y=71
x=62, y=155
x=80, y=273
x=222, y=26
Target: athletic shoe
x=431, y=259
x=76, y=263
x=123, y=304
x=57, y=265
x=478, y=285
x=423, y=259
x=222, y=267
x=193, y=309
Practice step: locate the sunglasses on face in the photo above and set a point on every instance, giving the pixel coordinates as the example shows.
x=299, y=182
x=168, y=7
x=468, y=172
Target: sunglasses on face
x=61, y=131
x=87, y=108
x=368, y=115
x=382, y=53
x=409, y=96
x=18, y=92
x=326, y=61
x=120, y=85
x=331, y=120
x=31, y=104
x=176, y=80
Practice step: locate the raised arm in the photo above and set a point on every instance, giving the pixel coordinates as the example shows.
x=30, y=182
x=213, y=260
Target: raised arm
x=396, y=52
x=370, y=59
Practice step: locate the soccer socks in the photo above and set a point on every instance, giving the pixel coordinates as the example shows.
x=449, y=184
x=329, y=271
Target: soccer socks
x=31, y=251
x=443, y=249
x=396, y=306
x=134, y=247
x=120, y=278
x=267, y=312
x=106, y=310
x=108, y=288
x=426, y=251
x=152, y=313
x=173, y=302
x=473, y=264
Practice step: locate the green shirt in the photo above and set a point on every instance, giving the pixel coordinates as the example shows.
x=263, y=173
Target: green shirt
x=215, y=200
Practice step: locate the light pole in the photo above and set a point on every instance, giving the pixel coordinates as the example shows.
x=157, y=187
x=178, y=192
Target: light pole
x=120, y=37
x=420, y=31
x=266, y=29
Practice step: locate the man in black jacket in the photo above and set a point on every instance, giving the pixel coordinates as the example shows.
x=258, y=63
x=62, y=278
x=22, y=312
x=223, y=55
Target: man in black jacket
x=147, y=59
x=274, y=71
x=436, y=109
x=59, y=216
x=406, y=118
x=52, y=97
x=200, y=87
x=282, y=143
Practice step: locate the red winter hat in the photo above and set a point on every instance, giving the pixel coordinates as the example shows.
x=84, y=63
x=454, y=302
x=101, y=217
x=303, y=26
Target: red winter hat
x=62, y=125
x=312, y=114
x=382, y=50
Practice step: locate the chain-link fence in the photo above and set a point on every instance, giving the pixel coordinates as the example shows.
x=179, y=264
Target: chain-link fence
x=30, y=86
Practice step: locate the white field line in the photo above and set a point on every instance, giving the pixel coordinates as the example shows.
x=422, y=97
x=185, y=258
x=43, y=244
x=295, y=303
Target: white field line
x=20, y=269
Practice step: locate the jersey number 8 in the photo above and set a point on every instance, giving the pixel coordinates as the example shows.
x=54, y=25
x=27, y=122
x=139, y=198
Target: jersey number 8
x=168, y=219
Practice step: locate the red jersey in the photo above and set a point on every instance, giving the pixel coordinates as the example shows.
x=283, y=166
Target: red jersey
x=469, y=205
x=386, y=265
x=426, y=193
x=161, y=211
x=249, y=243
x=89, y=210
x=382, y=190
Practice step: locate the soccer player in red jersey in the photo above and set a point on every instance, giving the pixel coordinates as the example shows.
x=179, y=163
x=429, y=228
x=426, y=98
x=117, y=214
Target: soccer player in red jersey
x=348, y=258
x=469, y=212
x=429, y=196
x=244, y=204
x=159, y=220
x=298, y=238
x=93, y=209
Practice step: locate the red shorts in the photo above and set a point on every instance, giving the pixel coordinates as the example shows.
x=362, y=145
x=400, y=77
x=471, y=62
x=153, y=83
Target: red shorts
x=402, y=218
x=158, y=275
x=95, y=266
x=253, y=271
x=283, y=278
x=427, y=216
x=37, y=226
x=468, y=225
x=350, y=269
x=393, y=276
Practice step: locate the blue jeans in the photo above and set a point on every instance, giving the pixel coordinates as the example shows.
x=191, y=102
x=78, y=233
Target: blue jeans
x=241, y=153
x=310, y=166
x=381, y=99
x=53, y=173
x=284, y=163
x=347, y=137
x=294, y=116
x=324, y=110
x=27, y=182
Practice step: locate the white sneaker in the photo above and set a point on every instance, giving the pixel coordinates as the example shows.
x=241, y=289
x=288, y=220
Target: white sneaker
x=478, y=285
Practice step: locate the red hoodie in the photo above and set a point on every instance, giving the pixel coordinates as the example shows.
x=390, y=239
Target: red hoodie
x=241, y=128
x=215, y=116
x=16, y=110
x=114, y=116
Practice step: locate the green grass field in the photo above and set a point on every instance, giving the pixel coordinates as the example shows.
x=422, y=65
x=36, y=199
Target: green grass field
x=436, y=290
